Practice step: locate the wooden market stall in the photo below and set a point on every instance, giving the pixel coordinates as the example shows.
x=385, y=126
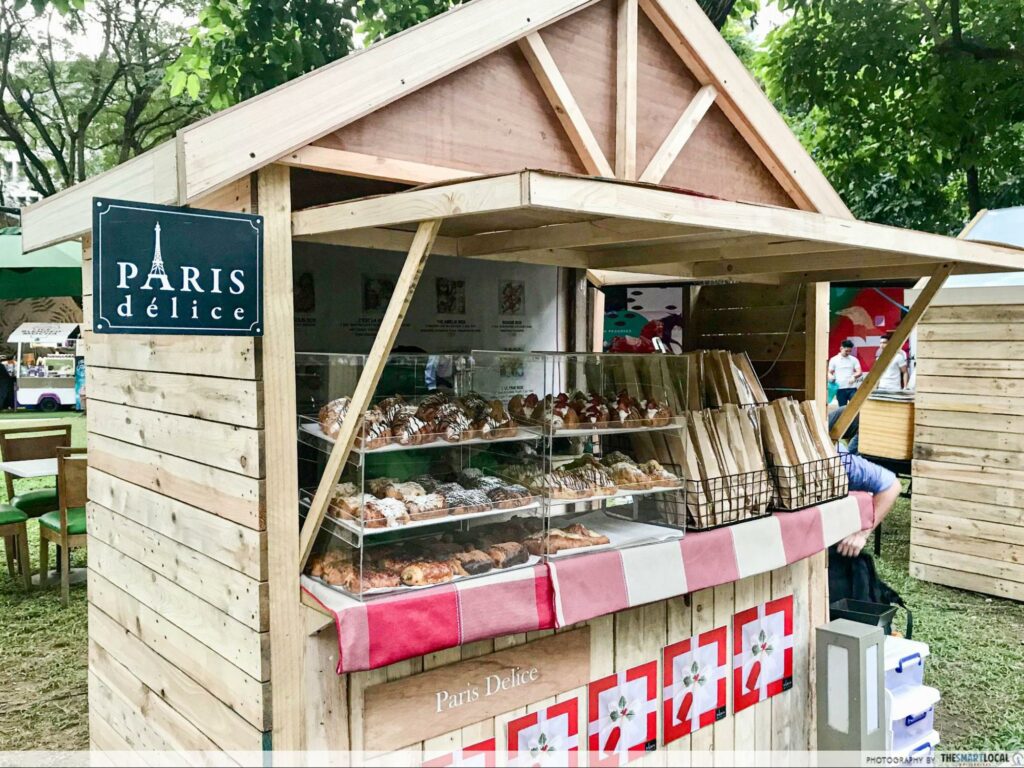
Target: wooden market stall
x=200, y=637
x=967, y=527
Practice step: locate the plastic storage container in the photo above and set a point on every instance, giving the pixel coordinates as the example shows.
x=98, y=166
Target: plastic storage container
x=911, y=714
x=922, y=748
x=904, y=662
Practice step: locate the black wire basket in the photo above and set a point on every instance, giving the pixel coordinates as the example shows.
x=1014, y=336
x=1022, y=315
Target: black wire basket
x=805, y=485
x=720, y=501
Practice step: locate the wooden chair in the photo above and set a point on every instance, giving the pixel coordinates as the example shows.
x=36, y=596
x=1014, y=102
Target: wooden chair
x=24, y=443
x=65, y=527
x=15, y=536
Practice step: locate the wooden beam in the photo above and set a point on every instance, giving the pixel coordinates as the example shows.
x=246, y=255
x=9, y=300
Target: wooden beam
x=367, y=384
x=381, y=239
x=562, y=101
x=600, y=232
x=706, y=54
x=847, y=258
x=816, y=346
x=282, y=482
x=498, y=193
x=679, y=135
x=151, y=177
x=899, y=337
x=720, y=247
x=398, y=240
x=330, y=160
x=627, y=63
x=871, y=273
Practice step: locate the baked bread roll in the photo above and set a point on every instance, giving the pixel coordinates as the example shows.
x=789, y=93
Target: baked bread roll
x=507, y=554
x=383, y=487
x=509, y=496
x=467, y=501
x=431, y=404
x=451, y=423
x=474, y=562
x=655, y=414
x=384, y=513
x=409, y=490
x=375, y=433
x=331, y=416
x=423, y=573
x=629, y=476
x=427, y=506
x=409, y=429
x=660, y=477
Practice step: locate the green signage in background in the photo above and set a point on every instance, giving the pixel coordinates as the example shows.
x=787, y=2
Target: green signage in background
x=159, y=269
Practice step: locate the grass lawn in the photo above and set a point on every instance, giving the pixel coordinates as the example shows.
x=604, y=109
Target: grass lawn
x=43, y=646
x=977, y=646
x=977, y=649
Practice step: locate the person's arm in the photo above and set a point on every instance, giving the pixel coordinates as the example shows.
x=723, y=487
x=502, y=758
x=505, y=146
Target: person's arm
x=904, y=371
x=857, y=370
x=831, y=371
x=885, y=489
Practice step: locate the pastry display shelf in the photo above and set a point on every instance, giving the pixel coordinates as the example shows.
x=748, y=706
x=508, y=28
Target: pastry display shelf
x=370, y=594
x=675, y=423
x=621, y=494
x=311, y=434
x=362, y=532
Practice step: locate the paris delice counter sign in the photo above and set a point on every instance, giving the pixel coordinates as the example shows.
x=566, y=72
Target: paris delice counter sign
x=158, y=269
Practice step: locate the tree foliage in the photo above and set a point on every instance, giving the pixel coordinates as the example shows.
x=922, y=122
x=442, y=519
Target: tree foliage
x=69, y=114
x=913, y=108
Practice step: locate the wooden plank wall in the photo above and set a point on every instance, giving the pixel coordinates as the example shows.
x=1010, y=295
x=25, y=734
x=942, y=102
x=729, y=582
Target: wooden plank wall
x=178, y=619
x=620, y=641
x=968, y=505
x=767, y=322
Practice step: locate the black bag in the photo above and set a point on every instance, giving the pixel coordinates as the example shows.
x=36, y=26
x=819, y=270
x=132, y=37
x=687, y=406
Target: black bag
x=855, y=578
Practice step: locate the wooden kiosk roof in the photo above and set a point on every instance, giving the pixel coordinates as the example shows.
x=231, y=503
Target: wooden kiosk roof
x=600, y=225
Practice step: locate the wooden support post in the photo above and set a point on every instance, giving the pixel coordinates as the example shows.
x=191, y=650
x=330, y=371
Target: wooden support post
x=597, y=299
x=569, y=113
x=386, y=335
x=899, y=336
x=816, y=347
x=626, y=90
x=282, y=482
x=679, y=135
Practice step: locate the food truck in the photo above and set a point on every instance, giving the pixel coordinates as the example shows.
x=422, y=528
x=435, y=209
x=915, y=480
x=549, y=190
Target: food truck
x=45, y=365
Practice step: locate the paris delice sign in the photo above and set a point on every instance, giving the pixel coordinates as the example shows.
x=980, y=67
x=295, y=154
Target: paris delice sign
x=161, y=269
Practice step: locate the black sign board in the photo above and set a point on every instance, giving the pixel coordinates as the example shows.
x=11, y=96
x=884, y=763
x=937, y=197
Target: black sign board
x=158, y=269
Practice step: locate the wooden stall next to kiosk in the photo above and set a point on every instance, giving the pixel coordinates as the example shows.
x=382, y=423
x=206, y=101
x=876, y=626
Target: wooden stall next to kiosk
x=198, y=636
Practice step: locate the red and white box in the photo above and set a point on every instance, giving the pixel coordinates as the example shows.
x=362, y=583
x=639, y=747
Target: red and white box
x=695, y=672
x=480, y=755
x=550, y=737
x=762, y=652
x=623, y=715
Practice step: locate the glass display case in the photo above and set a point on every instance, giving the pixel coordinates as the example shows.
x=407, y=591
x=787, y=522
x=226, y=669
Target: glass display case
x=613, y=426
x=465, y=465
x=439, y=484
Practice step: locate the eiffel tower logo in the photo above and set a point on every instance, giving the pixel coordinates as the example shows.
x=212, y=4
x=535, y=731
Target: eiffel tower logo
x=156, y=271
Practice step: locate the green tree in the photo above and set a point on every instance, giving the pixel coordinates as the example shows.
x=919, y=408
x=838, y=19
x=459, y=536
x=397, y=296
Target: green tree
x=69, y=114
x=913, y=108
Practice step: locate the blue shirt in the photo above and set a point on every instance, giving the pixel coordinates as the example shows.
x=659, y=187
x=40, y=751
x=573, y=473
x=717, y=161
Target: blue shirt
x=865, y=475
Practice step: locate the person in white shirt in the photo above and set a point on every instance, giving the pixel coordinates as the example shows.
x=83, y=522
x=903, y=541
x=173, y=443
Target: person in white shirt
x=844, y=369
x=895, y=375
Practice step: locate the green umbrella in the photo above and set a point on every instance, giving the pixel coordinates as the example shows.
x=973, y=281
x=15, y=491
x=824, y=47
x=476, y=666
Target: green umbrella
x=53, y=271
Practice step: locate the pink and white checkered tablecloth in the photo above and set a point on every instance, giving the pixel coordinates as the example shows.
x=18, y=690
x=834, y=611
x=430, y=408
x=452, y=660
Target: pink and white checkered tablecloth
x=384, y=631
